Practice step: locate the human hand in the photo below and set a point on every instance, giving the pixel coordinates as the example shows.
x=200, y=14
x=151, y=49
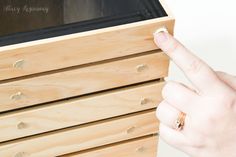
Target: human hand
x=210, y=108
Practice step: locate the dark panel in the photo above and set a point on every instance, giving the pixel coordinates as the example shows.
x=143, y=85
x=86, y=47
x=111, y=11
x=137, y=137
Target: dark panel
x=50, y=18
x=25, y=15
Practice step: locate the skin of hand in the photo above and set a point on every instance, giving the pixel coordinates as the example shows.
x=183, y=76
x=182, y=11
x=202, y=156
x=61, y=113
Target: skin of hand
x=210, y=106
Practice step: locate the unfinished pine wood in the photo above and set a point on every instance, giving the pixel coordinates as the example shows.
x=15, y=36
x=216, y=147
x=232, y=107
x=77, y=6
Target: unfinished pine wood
x=80, y=111
x=146, y=147
x=81, y=48
x=81, y=81
x=86, y=137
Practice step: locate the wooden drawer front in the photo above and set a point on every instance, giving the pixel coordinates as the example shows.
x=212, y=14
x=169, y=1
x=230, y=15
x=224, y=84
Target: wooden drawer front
x=80, y=111
x=79, y=49
x=81, y=81
x=85, y=137
x=146, y=147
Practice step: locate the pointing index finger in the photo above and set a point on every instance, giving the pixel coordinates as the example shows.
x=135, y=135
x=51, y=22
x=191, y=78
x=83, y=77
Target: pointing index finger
x=197, y=71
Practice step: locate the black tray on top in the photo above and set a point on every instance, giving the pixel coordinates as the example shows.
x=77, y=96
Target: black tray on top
x=28, y=20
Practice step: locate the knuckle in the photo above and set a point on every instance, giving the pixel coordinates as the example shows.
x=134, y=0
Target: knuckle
x=170, y=88
x=167, y=89
x=161, y=106
x=194, y=67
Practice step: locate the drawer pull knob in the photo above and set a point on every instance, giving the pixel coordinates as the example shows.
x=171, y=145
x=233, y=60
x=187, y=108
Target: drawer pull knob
x=21, y=154
x=19, y=64
x=21, y=125
x=144, y=101
x=140, y=149
x=162, y=29
x=130, y=130
x=17, y=96
x=141, y=67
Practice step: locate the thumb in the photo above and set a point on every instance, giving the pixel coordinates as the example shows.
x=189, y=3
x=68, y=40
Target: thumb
x=228, y=79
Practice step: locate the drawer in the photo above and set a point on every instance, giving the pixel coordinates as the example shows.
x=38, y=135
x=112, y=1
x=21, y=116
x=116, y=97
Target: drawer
x=80, y=138
x=145, y=147
x=76, y=49
x=80, y=111
x=86, y=85
x=81, y=81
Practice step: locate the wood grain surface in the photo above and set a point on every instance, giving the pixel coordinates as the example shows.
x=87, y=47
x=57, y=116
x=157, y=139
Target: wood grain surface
x=84, y=137
x=146, y=147
x=81, y=48
x=61, y=85
x=79, y=111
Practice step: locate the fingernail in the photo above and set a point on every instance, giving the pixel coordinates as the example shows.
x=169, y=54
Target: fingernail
x=160, y=38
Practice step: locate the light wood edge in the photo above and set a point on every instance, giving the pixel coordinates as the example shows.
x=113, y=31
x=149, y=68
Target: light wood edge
x=126, y=144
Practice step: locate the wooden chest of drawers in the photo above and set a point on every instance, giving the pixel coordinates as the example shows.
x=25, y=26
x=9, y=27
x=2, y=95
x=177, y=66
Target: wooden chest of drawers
x=86, y=94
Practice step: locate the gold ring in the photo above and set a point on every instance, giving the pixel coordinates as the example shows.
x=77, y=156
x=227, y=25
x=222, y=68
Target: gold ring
x=179, y=123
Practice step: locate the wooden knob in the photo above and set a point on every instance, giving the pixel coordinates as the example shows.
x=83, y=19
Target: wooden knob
x=140, y=149
x=19, y=64
x=17, y=96
x=21, y=154
x=21, y=125
x=144, y=101
x=141, y=67
x=130, y=130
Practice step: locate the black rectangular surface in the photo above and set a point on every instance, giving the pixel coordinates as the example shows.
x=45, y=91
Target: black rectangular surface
x=28, y=20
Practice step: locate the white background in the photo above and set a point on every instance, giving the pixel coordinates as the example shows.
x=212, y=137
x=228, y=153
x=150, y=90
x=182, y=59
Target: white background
x=208, y=28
